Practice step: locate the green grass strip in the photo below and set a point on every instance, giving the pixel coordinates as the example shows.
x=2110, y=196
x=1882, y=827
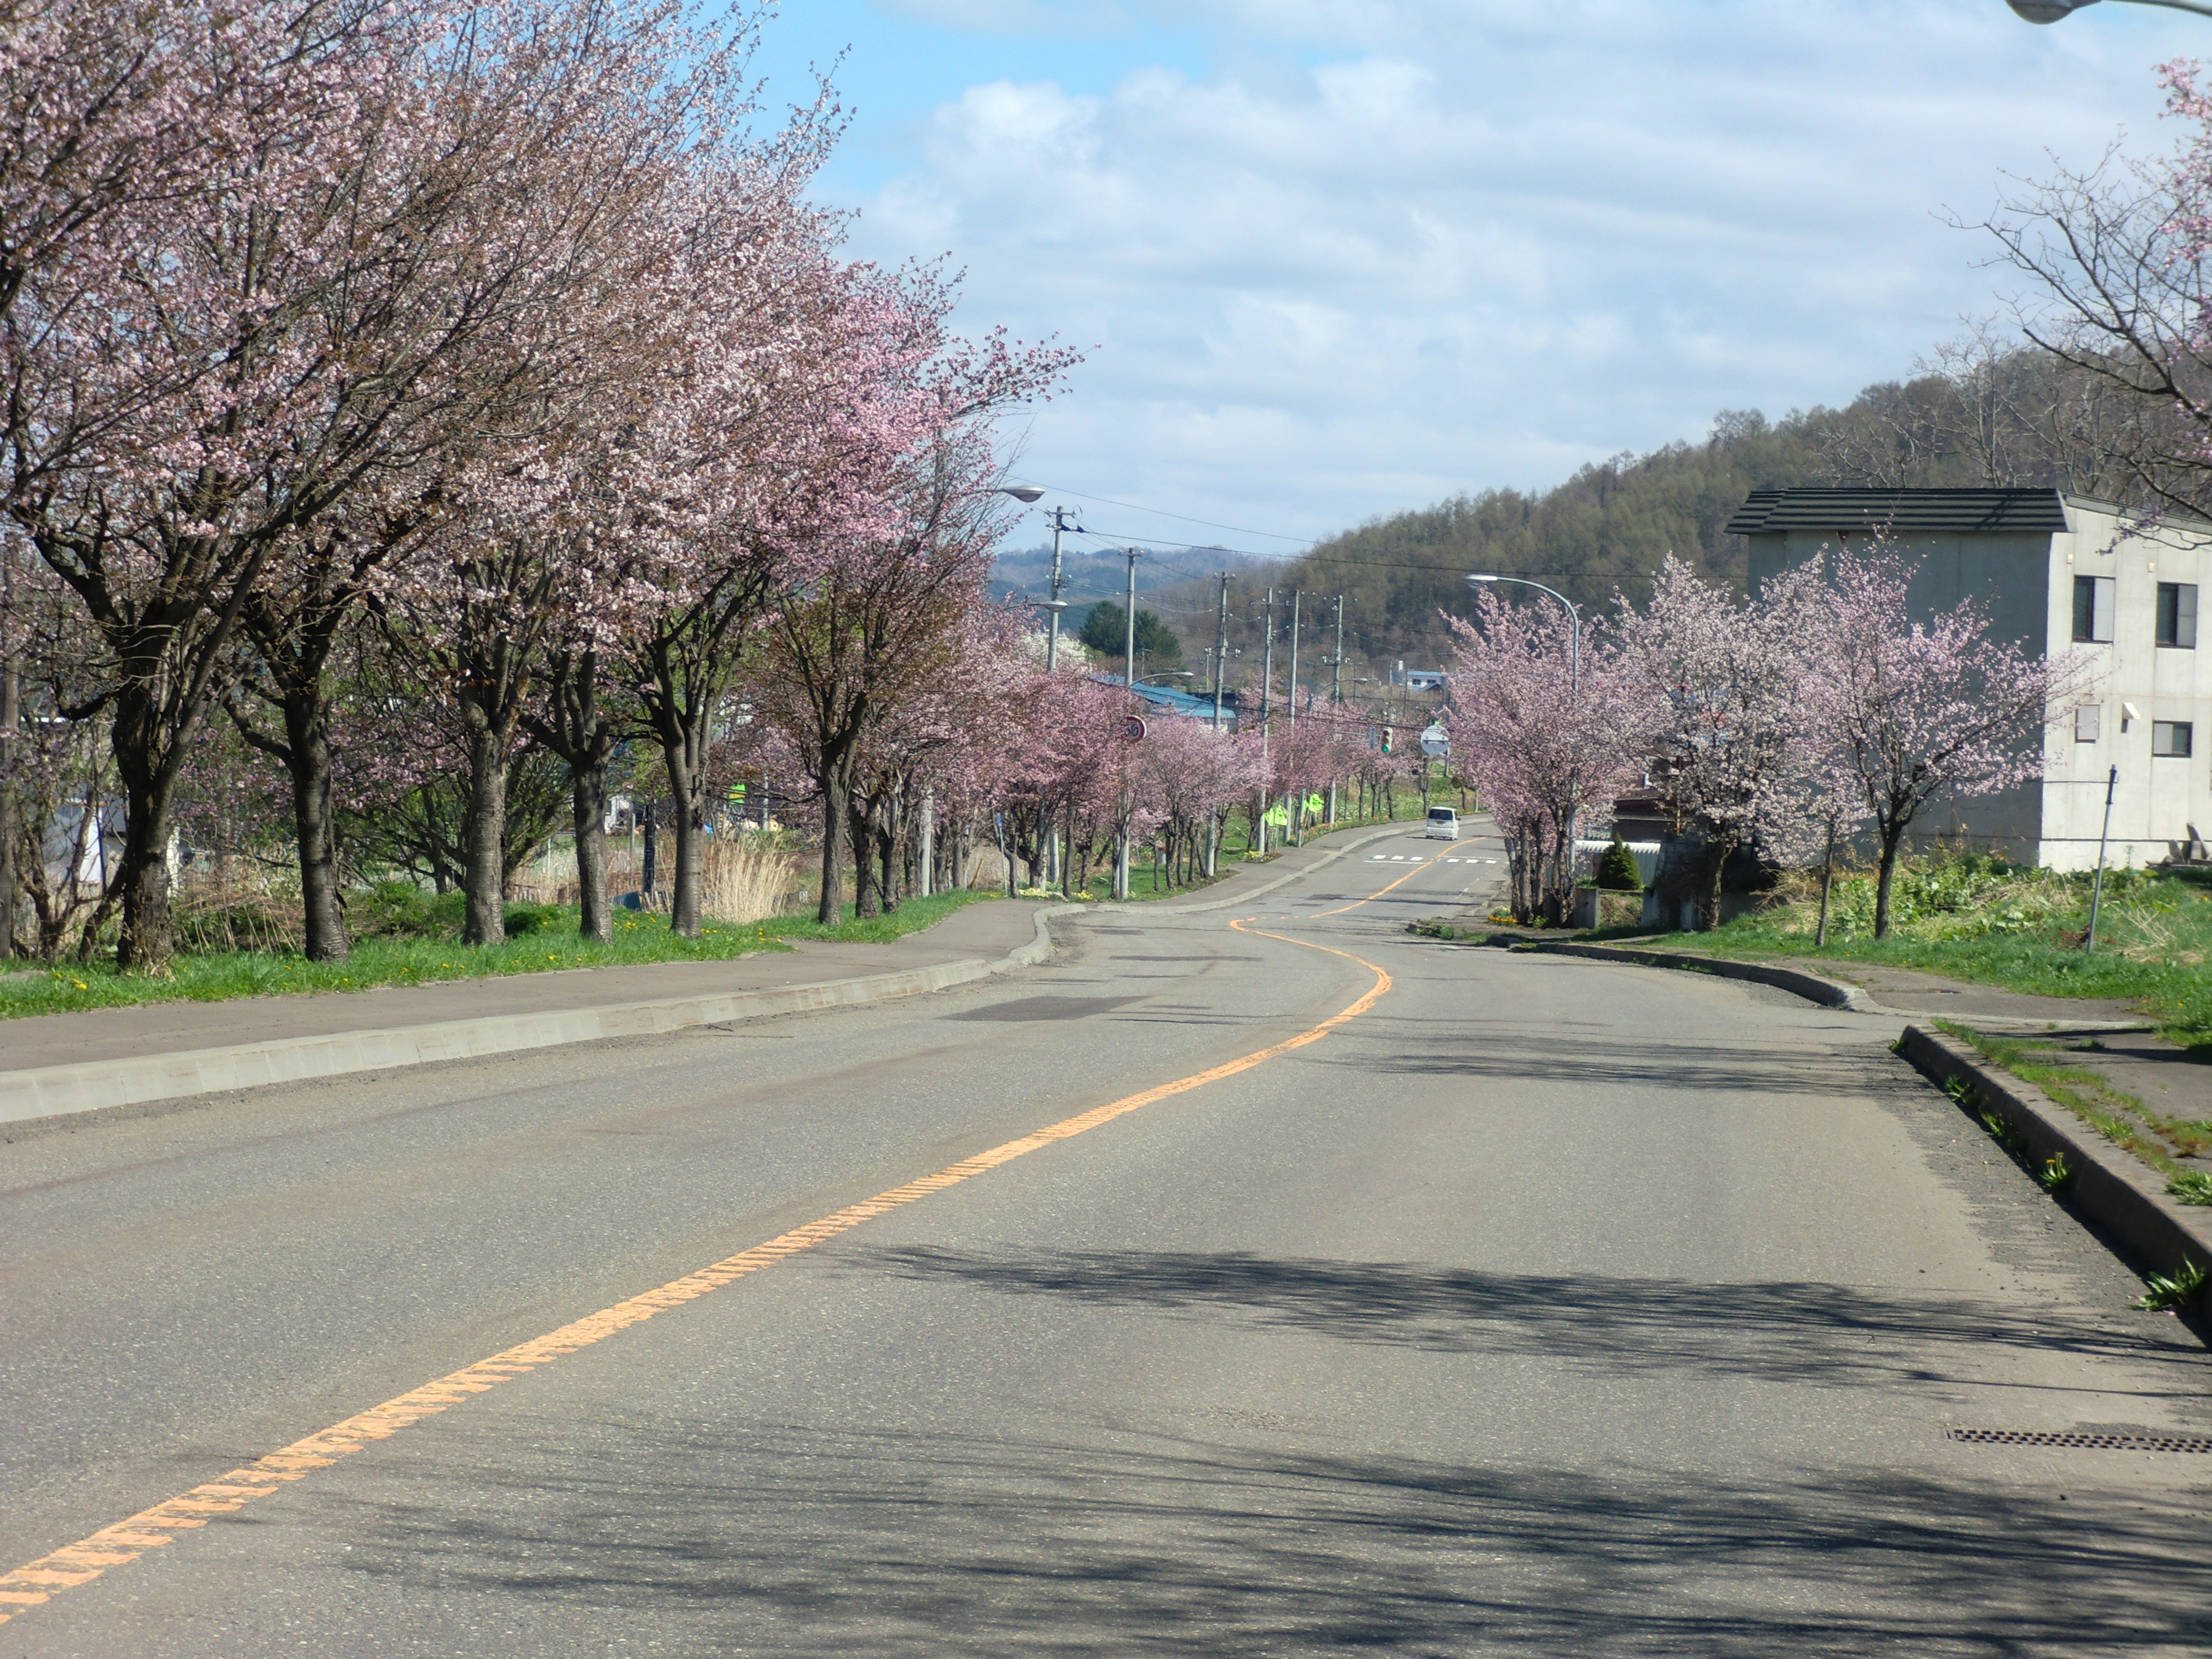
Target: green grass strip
x=2083, y=1093
x=550, y=944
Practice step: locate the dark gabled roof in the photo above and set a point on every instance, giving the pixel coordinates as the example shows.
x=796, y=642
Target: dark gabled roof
x=1846, y=512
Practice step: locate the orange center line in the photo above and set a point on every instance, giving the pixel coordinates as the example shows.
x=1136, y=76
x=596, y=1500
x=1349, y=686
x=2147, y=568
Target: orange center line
x=1378, y=894
x=124, y=1541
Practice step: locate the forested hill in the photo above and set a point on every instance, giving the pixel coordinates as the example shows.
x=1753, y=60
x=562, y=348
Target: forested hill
x=1608, y=527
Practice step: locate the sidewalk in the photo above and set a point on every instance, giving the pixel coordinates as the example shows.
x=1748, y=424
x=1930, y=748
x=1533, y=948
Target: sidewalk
x=58, y=1065
x=987, y=931
x=2105, y=1036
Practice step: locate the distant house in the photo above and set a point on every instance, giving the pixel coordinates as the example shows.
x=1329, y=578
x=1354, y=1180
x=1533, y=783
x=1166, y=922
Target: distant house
x=2060, y=574
x=1198, y=705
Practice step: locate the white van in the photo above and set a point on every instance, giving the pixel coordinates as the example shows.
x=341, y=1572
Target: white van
x=1444, y=824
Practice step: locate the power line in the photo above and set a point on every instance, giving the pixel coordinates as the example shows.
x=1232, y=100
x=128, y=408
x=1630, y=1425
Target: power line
x=1107, y=500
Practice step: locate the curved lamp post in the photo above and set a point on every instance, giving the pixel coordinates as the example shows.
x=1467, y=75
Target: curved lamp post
x=2051, y=11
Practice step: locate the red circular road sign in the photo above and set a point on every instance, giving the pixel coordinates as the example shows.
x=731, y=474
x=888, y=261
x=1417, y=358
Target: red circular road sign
x=1134, y=728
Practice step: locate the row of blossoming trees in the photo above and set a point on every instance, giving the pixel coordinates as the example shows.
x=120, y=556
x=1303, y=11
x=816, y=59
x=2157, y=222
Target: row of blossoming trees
x=1814, y=711
x=404, y=396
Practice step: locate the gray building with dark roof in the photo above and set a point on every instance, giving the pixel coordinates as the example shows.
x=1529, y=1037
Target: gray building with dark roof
x=2059, y=574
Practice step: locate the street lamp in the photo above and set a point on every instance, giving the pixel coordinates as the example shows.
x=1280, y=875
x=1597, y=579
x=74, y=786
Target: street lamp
x=2050, y=11
x=1165, y=674
x=1025, y=493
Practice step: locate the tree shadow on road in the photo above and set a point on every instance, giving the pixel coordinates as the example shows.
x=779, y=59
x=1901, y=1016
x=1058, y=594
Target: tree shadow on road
x=724, y=1536
x=1607, y=1062
x=1779, y=1330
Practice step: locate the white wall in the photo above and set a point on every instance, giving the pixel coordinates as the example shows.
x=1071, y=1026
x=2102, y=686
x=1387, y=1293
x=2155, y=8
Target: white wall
x=2157, y=798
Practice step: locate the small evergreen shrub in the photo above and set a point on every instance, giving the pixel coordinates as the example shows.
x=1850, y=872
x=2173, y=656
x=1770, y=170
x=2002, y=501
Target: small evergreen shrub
x=1616, y=869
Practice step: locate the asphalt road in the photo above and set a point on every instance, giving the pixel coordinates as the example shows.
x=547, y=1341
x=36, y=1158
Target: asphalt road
x=1544, y=1307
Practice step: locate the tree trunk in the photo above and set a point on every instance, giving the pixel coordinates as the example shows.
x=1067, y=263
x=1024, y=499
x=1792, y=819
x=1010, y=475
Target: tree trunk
x=1891, y=839
x=868, y=897
x=685, y=757
x=887, y=847
x=684, y=908
x=576, y=728
x=484, y=878
x=11, y=720
x=588, y=789
x=143, y=880
x=1828, y=886
x=1712, y=863
x=307, y=762
x=836, y=792
x=649, y=826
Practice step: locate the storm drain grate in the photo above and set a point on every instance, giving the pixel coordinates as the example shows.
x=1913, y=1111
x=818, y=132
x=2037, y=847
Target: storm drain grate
x=2157, y=1443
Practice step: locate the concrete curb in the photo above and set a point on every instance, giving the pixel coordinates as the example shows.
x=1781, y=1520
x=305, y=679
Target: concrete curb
x=2111, y=1190
x=97, y=1086
x=1828, y=993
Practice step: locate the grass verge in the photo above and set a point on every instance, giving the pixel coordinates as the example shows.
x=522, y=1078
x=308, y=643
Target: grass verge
x=542, y=939
x=1979, y=920
x=2121, y=1118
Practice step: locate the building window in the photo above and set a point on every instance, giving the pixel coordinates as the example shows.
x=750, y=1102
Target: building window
x=2169, y=737
x=2089, y=722
x=2177, y=615
x=2093, y=608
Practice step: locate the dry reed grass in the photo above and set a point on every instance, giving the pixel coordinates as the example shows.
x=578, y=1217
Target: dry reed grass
x=237, y=904
x=745, y=878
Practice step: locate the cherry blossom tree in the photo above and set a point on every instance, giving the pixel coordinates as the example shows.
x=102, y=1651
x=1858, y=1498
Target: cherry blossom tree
x=892, y=587
x=572, y=521
x=1190, y=773
x=881, y=622
x=147, y=342
x=1717, y=681
x=1908, y=714
x=1540, y=744
x=767, y=448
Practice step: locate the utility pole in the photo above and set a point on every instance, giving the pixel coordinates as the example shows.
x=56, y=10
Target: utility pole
x=1053, y=608
x=1266, y=694
x=1129, y=628
x=1129, y=680
x=1268, y=664
x=1336, y=694
x=1294, y=812
x=1220, y=648
x=1059, y=518
x=928, y=843
x=1336, y=683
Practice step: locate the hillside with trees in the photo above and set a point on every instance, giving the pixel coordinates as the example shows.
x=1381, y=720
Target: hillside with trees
x=1983, y=414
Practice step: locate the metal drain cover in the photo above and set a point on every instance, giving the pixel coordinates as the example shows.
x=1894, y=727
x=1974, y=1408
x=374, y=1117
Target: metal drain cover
x=2157, y=1443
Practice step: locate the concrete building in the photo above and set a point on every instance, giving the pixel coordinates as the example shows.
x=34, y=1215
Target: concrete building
x=2063, y=575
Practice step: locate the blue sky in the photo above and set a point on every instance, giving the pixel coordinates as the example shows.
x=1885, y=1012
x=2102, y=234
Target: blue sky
x=1340, y=258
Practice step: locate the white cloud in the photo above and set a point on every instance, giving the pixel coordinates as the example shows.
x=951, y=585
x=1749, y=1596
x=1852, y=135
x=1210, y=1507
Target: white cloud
x=1454, y=245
